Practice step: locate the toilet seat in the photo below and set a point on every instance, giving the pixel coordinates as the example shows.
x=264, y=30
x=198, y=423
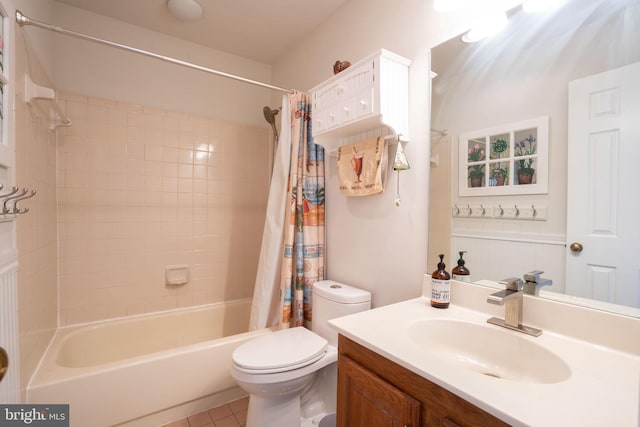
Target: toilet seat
x=281, y=351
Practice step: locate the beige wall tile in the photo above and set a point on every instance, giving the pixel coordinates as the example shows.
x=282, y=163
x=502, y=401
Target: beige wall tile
x=143, y=188
x=36, y=231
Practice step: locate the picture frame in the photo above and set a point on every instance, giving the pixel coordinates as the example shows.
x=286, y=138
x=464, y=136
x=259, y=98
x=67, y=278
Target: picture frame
x=508, y=159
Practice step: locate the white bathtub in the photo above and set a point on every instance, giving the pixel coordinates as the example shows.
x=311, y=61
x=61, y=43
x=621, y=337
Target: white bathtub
x=144, y=370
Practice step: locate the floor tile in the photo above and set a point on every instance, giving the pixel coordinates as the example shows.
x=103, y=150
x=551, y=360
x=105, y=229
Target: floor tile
x=229, y=421
x=232, y=414
x=239, y=405
x=220, y=412
x=199, y=420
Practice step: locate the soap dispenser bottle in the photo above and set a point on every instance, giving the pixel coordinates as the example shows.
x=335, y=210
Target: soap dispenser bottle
x=461, y=272
x=440, y=286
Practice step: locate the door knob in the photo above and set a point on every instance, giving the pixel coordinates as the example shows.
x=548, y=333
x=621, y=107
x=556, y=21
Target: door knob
x=4, y=362
x=576, y=247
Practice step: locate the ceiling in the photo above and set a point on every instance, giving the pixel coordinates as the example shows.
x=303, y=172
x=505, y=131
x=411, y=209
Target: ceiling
x=255, y=29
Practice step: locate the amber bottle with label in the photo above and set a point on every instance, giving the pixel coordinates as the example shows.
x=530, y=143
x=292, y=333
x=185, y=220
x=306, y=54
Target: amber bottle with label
x=461, y=272
x=440, y=286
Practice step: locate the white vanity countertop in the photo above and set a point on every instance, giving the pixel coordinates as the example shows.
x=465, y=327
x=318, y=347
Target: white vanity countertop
x=603, y=389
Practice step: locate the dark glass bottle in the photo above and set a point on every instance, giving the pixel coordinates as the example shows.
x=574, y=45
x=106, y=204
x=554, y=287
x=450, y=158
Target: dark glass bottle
x=461, y=272
x=440, y=286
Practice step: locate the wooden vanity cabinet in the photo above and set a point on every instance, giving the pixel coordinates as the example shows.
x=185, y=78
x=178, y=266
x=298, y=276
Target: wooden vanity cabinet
x=376, y=392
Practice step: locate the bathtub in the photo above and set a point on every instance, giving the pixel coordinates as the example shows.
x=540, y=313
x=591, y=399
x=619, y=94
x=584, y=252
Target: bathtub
x=145, y=370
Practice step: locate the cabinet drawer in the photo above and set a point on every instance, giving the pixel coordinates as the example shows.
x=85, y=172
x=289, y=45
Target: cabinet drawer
x=347, y=110
x=319, y=120
x=365, y=102
x=333, y=116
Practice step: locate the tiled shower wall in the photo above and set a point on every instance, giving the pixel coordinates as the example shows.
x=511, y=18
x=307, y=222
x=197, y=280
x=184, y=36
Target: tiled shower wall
x=36, y=231
x=140, y=189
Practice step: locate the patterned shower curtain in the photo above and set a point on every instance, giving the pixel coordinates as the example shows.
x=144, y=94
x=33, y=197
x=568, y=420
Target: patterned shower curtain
x=303, y=256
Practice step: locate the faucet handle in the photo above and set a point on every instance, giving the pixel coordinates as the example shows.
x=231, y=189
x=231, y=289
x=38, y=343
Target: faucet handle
x=512, y=283
x=533, y=276
x=533, y=282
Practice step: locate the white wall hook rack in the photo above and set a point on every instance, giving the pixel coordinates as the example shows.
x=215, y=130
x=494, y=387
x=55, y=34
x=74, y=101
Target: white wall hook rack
x=514, y=211
x=9, y=200
x=472, y=211
x=33, y=92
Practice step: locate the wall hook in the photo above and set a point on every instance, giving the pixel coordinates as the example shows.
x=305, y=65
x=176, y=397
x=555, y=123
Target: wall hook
x=457, y=209
x=5, y=208
x=469, y=208
x=533, y=211
x=501, y=210
x=14, y=190
x=16, y=209
x=483, y=210
x=517, y=210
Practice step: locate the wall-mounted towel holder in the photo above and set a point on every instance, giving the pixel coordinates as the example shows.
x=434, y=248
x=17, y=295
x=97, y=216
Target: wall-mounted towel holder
x=33, y=91
x=390, y=135
x=9, y=202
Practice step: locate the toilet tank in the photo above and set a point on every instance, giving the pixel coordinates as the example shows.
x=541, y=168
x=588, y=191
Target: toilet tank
x=332, y=300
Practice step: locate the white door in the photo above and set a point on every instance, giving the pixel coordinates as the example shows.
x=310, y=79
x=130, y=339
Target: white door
x=603, y=212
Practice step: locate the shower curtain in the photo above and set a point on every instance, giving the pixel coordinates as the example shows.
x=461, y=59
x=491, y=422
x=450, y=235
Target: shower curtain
x=292, y=251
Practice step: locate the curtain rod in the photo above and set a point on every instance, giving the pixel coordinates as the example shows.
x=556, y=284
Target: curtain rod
x=23, y=20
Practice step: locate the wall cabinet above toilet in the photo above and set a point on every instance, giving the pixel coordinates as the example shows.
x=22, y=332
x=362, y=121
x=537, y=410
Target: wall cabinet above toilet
x=373, y=92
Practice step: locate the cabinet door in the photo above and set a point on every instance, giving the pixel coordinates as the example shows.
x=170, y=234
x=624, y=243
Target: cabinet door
x=366, y=400
x=365, y=102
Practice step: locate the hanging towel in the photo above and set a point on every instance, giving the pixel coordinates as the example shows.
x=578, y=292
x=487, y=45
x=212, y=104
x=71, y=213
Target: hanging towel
x=362, y=167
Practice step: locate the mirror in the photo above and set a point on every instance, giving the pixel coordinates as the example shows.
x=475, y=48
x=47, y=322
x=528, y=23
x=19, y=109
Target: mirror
x=521, y=73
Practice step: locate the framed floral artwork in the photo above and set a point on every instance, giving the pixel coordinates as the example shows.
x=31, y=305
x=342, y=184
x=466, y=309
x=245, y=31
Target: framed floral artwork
x=507, y=159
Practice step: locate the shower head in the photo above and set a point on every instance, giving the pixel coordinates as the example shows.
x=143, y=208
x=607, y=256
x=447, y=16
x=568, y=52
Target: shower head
x=270, y=115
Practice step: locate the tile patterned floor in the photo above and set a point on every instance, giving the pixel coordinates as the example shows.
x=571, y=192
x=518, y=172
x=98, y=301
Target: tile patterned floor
x=232, y=414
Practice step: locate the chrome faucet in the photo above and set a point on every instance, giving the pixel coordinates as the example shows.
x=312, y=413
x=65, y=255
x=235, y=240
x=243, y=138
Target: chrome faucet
x=533, y=282
x=511, y=298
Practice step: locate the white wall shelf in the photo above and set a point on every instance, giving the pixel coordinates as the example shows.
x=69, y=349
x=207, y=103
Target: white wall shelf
x=371, y=94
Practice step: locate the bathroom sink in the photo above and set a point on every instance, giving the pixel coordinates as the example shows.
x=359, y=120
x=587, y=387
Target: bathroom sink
x=488, y=350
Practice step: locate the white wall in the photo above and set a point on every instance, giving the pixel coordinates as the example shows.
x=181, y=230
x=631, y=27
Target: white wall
x=40, y=43
x=96, y=70
x=371, y=243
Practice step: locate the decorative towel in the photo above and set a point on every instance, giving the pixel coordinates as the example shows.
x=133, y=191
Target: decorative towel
x=362, y=167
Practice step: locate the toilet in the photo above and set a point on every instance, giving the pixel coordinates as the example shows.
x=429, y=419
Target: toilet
x=291, y=374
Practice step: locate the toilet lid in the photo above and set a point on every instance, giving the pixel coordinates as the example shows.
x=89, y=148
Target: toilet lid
x=283, y=350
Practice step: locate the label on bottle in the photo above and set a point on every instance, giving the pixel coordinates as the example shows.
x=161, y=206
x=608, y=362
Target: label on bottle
x=440, y=290
x=461, y=277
